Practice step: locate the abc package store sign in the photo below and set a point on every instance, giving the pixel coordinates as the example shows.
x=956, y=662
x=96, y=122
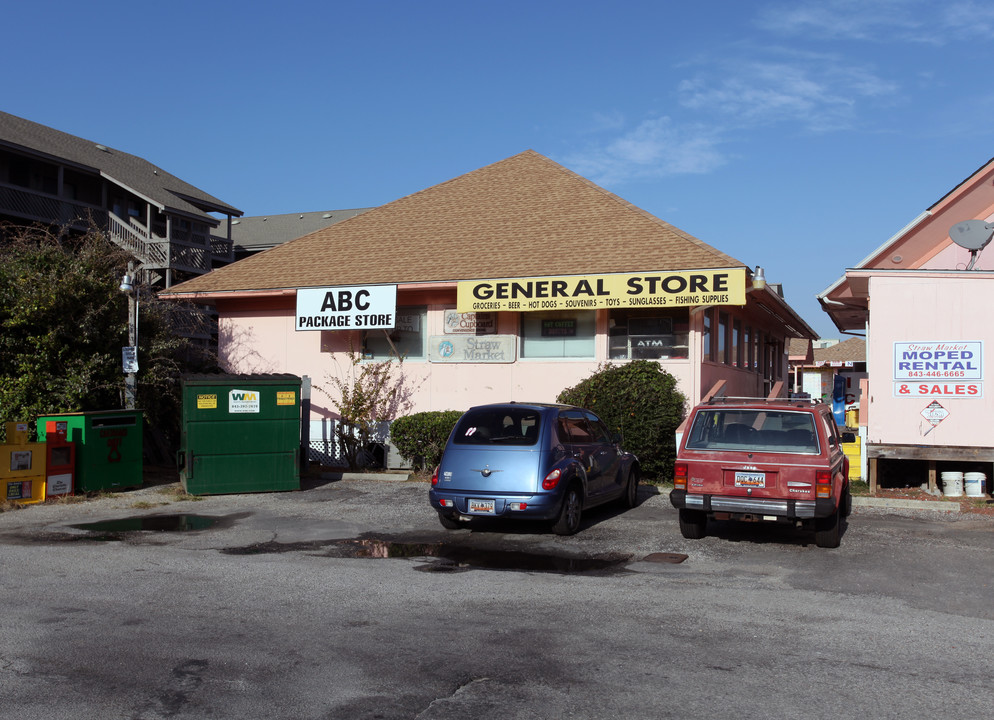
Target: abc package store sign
x=592, y=292
x=939, y=369
x=347, y=308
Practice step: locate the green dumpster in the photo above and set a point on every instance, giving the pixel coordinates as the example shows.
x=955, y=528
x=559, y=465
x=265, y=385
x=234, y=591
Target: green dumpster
x=108, y=447
x=240, y=433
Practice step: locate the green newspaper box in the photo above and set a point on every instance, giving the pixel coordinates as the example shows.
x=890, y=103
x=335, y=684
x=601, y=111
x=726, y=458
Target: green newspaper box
x=240, y=433
x=108, y=447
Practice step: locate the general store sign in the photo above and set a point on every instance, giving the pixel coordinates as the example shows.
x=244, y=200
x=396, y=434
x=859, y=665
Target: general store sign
x=939, y=369
x=591, y=292
x=346, y=308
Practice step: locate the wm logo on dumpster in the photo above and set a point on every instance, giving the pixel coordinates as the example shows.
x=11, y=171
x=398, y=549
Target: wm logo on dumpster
x=243, y=401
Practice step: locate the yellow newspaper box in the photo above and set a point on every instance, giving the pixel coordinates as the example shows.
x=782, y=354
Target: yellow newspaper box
x=22, y=466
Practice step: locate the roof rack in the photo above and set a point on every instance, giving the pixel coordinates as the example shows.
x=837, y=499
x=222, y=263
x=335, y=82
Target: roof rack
x=720, y=399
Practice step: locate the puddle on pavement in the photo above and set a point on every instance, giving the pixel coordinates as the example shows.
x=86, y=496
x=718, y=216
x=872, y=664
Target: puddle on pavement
x=456, y=558
x=153, y=523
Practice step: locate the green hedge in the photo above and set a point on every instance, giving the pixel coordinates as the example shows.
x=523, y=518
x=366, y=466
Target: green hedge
x=638, y=400
x=420, y=438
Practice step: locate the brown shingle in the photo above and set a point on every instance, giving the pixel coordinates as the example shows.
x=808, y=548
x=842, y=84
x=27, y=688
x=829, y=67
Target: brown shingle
x=520, y=217
x=851, y=350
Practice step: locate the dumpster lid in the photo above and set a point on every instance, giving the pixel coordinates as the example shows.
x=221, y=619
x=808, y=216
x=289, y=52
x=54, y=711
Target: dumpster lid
x=227, y=379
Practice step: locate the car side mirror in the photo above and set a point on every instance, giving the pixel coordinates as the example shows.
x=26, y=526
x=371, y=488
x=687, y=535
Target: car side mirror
x=848, y=437
x=616, y=438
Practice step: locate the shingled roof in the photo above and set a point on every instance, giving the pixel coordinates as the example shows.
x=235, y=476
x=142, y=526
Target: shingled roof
x=129, y=171
x=525, y=216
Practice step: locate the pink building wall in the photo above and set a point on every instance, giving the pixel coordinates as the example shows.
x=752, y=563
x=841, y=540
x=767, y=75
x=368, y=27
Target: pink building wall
x=920, y=307
x=258, y=336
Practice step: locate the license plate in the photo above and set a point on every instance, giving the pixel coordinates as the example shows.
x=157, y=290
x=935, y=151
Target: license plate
x=481, y=507
x=750, y=479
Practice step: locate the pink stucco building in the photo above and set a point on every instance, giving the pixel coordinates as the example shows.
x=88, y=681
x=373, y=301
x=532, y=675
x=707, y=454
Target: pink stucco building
x=923, y=300
x=511, y=282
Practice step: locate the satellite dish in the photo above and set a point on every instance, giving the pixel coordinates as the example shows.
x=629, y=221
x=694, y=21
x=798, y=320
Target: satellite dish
x=971, y=234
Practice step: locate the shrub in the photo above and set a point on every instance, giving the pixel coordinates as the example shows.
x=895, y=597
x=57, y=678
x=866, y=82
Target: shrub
x=420, y=438
x=638, y=400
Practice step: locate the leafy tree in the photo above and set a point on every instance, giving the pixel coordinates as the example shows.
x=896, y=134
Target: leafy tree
x=63, y=322
x=640, y=401
x=368, y=395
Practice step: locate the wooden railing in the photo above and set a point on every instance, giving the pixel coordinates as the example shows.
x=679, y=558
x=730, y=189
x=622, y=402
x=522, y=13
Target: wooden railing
x=45, y=208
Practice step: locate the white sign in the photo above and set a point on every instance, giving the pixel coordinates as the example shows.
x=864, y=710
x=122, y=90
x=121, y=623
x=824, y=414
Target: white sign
x=957, y=361
x=347, y=308
x=470, y=323
x=935, y=413
x=243, y=401
x=472, y=348
x=129, y=359
x=939, y=390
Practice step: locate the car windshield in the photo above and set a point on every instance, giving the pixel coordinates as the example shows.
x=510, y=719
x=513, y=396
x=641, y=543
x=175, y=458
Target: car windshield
x=753, y=429
x=497, y=426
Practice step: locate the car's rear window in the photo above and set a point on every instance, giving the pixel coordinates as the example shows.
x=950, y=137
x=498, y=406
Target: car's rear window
x=497, y=426
x=753, y=429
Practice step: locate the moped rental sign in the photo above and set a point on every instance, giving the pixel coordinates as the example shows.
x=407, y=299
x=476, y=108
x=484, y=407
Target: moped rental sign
x=367, y=307
x=939, y=369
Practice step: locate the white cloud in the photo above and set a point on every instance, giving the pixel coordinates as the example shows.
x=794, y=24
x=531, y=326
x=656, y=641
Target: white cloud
x=817, y=91
x=656, y=148
x=883, y=21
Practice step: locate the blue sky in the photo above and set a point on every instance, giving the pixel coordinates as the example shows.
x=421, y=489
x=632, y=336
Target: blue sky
x=798, y=135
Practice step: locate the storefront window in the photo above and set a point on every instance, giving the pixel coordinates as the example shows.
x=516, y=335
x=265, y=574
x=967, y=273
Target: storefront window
x=407, y=338
x=736, y=343
x=747, y=347
x=557, y=335
x=708, y=349
x=648, y=334
x=723, y=338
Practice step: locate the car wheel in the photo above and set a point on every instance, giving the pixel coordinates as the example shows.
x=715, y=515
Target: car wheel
x=631, y=496
x=568, y=521
x=827, y=533
x=846, y=502
x=449, y=522
x=693, y=524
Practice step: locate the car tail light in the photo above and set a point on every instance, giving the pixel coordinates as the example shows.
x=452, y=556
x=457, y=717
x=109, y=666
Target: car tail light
x=518, y=506
x=552, y=479
x=823, y=484
x=680, y=476
x=445, y=502
x=434, y=476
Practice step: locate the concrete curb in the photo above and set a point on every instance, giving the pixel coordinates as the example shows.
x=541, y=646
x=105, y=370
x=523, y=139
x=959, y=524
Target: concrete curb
x=393, y=477
x=899, y=504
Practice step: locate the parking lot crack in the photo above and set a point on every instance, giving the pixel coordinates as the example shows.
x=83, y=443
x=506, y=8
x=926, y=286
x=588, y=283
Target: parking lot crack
x=456, y=692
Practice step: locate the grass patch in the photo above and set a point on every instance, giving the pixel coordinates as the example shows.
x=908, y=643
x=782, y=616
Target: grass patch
x=859, y=487
x=176, y=493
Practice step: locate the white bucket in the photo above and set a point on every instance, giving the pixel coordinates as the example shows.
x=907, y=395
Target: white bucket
x=974, y=483
x=952, y=484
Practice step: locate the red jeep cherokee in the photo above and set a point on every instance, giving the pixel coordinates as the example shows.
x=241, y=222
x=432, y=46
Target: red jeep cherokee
x=762, y=460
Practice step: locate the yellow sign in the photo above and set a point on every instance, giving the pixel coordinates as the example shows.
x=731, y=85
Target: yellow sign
x=206, y=402
x=285, y=397
x=591, y=292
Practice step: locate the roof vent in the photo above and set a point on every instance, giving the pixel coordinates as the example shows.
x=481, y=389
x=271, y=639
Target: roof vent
x=103, y=148
x=235, y=222
x=326, y=216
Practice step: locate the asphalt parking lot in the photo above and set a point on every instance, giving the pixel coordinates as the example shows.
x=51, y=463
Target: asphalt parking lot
x=348, y=600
